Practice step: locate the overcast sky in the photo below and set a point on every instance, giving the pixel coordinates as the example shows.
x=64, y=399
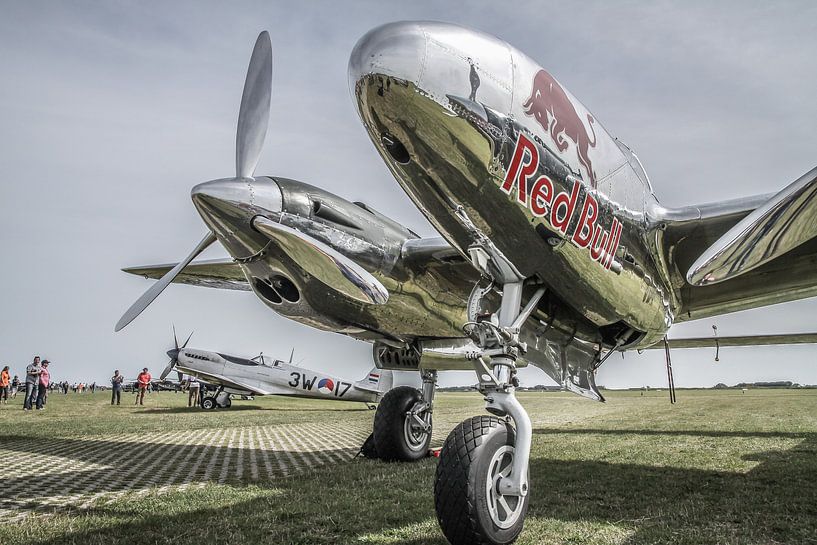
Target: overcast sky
x=111, y=111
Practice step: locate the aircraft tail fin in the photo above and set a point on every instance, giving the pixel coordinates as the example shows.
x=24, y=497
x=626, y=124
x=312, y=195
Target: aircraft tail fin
x=378, y=380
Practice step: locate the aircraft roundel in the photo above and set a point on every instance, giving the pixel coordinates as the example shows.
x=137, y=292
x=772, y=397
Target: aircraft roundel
x=325, y=386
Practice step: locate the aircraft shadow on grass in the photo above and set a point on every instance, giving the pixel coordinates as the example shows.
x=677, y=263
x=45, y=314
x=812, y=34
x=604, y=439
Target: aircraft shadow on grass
x=661, y=504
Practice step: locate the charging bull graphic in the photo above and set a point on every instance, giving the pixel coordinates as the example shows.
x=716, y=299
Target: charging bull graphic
x=551, y=107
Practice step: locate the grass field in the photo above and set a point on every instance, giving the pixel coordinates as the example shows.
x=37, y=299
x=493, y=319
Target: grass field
x=718, y=467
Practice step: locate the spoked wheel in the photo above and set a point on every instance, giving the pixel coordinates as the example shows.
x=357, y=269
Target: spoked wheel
x=469, y=505
x=208, y=403
x=397, y=435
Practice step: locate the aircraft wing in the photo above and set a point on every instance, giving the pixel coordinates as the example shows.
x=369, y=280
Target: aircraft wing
x=221, y=380
x=745, y=340
x=742, y=254
x=215, y=273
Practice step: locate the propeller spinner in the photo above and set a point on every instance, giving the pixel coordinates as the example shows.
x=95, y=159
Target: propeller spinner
x=174, y=354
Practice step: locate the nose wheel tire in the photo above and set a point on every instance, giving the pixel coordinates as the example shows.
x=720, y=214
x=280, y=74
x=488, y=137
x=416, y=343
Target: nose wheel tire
x=469, y=505
x=397, y=435
x=208, y=403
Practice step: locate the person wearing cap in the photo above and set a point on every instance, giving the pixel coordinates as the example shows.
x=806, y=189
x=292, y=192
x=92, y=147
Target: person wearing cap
x=142, y=382
x=45, y=380
x=116, y=387
x=32, y=378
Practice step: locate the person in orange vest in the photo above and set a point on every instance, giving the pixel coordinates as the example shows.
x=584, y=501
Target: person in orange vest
x=142, y=382
x=4, y=385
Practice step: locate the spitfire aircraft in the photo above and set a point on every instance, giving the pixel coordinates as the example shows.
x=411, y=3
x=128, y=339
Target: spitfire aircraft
x=554, y=249
x=224, y=375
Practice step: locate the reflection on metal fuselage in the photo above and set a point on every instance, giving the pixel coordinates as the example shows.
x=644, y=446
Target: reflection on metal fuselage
x=423, y=301
x=459, y=116
x=465, y=123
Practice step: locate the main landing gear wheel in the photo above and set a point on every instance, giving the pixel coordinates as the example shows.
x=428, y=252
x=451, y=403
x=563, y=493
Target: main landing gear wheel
x=470, y=508
x=397, y=434
x=208, y=403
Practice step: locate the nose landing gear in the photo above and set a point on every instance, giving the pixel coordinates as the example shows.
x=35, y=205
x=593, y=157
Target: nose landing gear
x=471, y=506
x=481, y=489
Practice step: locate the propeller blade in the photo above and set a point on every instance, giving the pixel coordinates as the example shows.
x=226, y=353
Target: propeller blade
x=291, y=354
x=157, y=288
x=175, y=340
x=188, y=340
x=167, y=369
x=253, y=117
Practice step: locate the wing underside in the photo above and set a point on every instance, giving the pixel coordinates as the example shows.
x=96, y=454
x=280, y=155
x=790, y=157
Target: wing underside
x=691, y=231
x=221, y=380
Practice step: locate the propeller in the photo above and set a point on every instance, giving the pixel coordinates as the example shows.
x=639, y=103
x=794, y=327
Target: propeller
x=291, y=354
x=253, y=119
x=174, y=354
x=159, y=286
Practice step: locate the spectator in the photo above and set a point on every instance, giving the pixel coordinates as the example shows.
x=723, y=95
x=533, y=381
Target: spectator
x=143, y=383
x=93, y=387
x=193, y=388
x=45, y=380
x=15, y=385
x=4, y=385
x=116, y=387
x=32, y=378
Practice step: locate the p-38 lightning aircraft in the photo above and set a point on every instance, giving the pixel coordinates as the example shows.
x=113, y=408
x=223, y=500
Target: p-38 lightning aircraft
x=554, y=249
x=225, y=374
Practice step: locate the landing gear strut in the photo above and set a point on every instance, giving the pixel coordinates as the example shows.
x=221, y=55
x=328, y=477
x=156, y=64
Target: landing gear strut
x=481, y=489
x=212, y=398
x=403, y=424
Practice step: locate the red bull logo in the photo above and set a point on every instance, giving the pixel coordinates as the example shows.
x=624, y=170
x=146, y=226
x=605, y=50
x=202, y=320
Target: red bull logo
x=553, y=110
x=558, y=210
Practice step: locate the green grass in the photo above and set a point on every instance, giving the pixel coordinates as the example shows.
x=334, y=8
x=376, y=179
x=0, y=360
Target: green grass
x=718, y=467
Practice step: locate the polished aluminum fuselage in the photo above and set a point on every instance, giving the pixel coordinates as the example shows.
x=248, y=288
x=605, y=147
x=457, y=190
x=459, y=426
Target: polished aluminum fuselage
x=459, y=102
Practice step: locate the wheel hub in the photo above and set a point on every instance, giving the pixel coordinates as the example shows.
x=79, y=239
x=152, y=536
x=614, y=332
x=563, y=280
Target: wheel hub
x=504, y=510
x=415, y=435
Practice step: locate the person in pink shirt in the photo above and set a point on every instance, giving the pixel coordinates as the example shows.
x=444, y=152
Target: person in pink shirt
x=45, y=380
